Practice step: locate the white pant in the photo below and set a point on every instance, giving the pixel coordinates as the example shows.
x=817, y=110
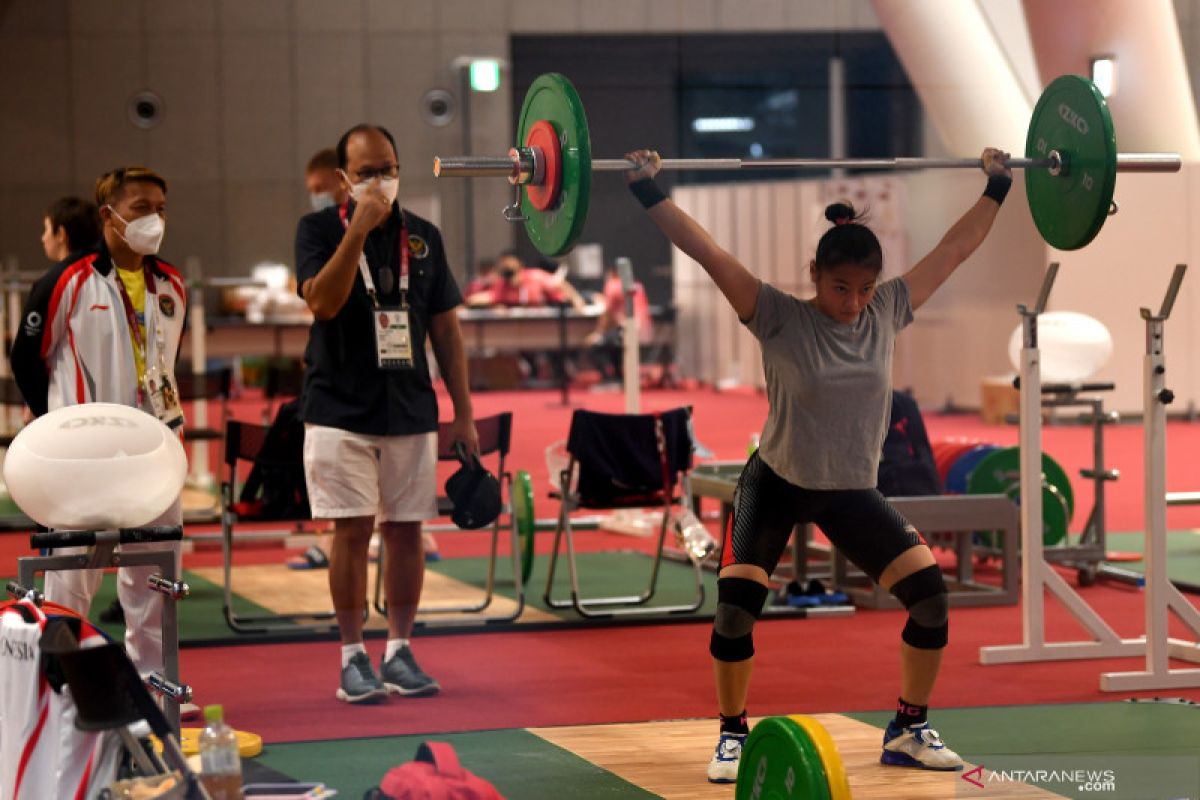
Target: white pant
x=75, y=589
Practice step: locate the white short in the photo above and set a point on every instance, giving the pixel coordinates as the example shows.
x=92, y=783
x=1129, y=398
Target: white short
x=355, y=475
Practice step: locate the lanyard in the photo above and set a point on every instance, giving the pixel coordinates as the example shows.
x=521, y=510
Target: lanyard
x=365, y=271
x=135, y=329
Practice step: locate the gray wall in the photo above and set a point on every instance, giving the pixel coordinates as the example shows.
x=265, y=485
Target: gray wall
x=253, y=87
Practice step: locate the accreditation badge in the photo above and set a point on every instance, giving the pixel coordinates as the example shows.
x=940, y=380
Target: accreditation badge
x=163, y=394
x=393, y=338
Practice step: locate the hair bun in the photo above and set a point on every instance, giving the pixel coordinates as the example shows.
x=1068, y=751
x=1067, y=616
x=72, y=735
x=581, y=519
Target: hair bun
x=840, y=213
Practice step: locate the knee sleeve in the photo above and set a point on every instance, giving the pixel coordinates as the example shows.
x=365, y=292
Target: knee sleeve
x=924, y=595
x=739, y=605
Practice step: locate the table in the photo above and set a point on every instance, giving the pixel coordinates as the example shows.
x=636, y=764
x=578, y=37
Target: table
x=960, y=515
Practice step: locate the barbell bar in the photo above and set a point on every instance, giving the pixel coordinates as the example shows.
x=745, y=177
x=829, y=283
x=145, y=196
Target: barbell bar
x=1070, y=155
x=511, y=166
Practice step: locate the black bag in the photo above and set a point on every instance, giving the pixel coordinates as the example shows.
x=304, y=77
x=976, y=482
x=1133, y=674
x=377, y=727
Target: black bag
x=474, y=491
x=275, y=487
x=907, y=468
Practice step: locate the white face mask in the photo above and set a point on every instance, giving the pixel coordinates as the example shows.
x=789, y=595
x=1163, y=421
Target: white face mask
x=389, y=186
x=144, y=234
x=321, y=200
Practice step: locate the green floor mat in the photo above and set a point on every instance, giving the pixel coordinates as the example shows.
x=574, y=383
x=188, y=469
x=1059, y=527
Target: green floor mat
x=608, y=573
x=1154, y=741
x=200, y=615
x=522, y=766
x=1183, y=553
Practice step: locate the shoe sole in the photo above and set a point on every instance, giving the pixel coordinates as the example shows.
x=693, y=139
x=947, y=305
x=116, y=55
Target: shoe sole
x=722, y=780
x=424, y=691
x=890, y=758
x=361, y=699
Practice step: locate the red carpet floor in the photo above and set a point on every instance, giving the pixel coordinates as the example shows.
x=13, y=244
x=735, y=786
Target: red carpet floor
x=504, y=680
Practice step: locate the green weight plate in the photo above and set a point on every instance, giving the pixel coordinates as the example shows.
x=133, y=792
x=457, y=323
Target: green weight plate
x=1000, y=473
x=779, y=762
x=1071, y=117
x=523, y=519
x=553, y=98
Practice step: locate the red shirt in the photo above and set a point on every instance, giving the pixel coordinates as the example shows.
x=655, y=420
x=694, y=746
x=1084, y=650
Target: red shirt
x=533, y=288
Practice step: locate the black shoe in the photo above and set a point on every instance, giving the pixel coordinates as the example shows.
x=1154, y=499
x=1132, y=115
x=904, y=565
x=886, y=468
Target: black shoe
x=114, y=614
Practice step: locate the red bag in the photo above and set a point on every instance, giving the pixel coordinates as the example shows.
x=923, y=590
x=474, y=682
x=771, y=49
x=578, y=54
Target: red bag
x=435, y=774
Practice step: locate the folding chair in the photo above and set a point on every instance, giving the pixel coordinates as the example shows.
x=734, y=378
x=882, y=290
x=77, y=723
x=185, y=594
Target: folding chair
x=624, y=461
x=244, y=441
x=495, y=436
x=215, y=385
x=284, y=381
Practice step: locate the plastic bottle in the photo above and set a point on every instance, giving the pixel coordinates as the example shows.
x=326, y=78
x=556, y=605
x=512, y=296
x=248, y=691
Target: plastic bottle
x=692, y=536
x=220, y=763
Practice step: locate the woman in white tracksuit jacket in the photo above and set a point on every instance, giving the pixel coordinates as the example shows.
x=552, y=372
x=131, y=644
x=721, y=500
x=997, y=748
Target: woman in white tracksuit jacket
x=76, y=344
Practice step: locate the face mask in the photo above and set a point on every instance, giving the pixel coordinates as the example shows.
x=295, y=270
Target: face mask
x=144, y=234
x=321, y=200
x=389, y=186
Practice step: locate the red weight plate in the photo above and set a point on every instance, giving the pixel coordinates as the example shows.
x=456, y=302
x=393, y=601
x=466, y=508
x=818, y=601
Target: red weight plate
x=542, y=135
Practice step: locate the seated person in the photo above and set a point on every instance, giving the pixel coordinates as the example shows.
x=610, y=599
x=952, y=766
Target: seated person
x=606, y=339
x=485, y=277
x=517, y=285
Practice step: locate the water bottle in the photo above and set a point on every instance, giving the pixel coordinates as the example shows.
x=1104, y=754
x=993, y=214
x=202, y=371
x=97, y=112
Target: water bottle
x=692, y=536
x=220, y=763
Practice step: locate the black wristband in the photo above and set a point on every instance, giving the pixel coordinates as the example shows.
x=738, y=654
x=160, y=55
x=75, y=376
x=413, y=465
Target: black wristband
x=647, y=192
x=997, y=188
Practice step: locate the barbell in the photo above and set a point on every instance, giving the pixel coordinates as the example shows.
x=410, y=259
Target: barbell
x=1071, y=160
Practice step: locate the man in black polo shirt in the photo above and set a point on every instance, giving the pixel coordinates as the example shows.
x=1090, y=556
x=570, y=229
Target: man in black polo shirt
x=376, y=279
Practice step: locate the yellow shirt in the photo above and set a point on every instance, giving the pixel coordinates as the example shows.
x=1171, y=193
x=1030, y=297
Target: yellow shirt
x=135, y=287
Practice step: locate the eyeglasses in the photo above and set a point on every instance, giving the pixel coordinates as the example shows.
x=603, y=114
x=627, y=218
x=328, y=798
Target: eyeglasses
x=383, y=173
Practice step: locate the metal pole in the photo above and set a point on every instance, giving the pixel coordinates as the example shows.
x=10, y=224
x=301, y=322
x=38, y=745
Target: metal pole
x=464, y=88
x=503, y=166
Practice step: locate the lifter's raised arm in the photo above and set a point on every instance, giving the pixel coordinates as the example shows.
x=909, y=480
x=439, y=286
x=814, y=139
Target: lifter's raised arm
x=737, y=283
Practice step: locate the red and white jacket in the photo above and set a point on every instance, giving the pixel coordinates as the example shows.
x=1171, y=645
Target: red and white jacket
x=74, y=344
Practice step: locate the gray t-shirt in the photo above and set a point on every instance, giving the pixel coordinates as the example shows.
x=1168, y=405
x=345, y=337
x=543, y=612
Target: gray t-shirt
x=829, y=385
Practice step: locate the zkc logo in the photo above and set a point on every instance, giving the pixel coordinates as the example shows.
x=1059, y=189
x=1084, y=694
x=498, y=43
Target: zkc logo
x=1072, y=118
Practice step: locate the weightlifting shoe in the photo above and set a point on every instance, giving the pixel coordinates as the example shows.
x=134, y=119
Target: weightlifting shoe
x=917, y=746
x=724, y=765
x=402, y=675
x=360, y=684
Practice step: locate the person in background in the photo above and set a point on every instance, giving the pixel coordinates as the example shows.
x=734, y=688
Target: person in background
x=485, y=276
x=121, y=329
x=517, y=285
x=325, y=188
x=606, y=340
x=71, y=225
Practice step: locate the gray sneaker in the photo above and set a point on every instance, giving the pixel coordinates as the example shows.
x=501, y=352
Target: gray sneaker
x=360, y=684
x=402, y=675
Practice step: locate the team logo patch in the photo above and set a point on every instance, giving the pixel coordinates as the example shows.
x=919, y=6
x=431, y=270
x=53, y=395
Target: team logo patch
x=33, y=324
x=166, y=304
x=417, y=246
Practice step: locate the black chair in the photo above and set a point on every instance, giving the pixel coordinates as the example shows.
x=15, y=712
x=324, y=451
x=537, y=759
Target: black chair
x=284, y=380
x=624, y=461
x=109, y=695
x=216, y=385
x=495, y=437
x=244, y=442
